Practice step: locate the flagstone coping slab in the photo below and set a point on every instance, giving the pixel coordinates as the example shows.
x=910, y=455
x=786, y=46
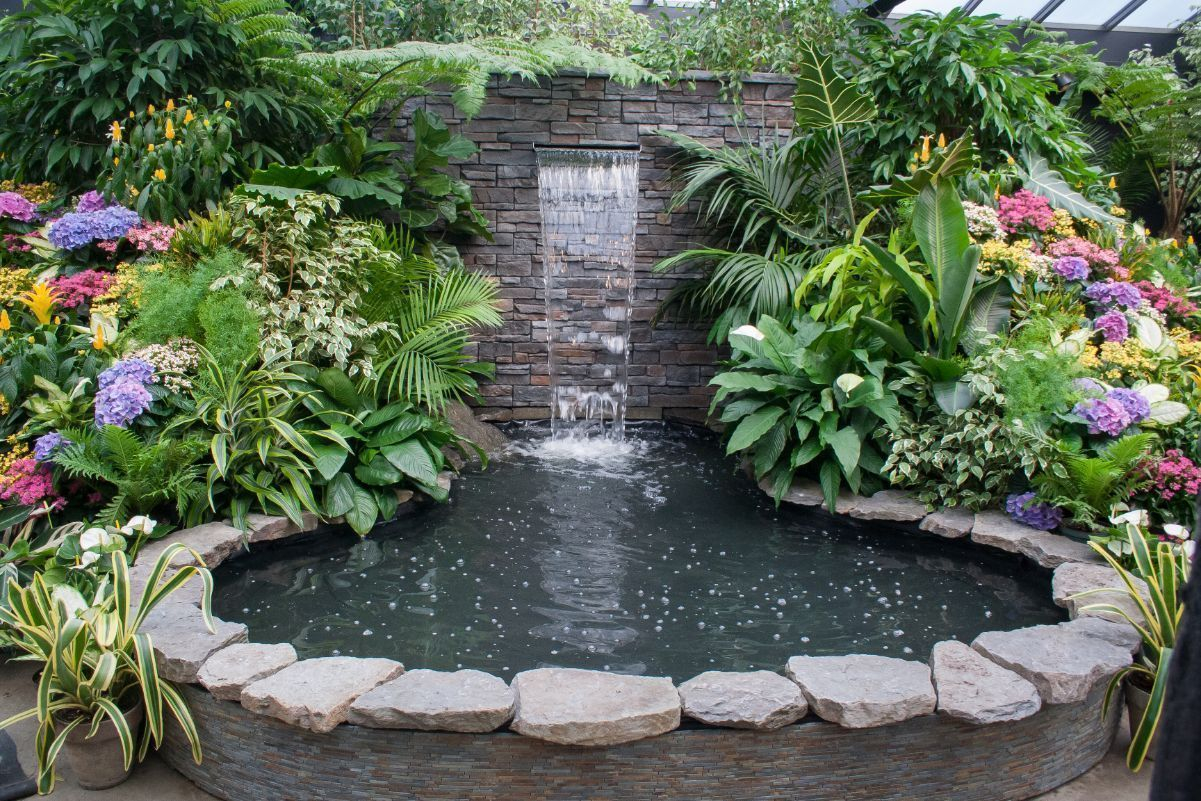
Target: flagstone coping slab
x=590, y=707
x=434, y=700
x=317, y=694
x=973, y=688
x=862, y=690
x=755, y=700
x=1064, y=663
x=1072, y=579
x=1047, y=549
x=950, y=523
x=227, y=672
x=182, y=642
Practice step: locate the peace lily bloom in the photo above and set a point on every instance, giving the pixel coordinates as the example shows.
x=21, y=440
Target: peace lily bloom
x=847, y=382
x=40, y=300
x=749, y=331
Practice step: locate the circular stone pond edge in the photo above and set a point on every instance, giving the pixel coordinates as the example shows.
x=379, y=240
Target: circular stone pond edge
x=1014, y=714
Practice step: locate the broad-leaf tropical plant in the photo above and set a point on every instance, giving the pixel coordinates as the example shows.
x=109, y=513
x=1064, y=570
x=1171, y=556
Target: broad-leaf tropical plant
x=805, y=397
x=97, y=664
x=1164, y=568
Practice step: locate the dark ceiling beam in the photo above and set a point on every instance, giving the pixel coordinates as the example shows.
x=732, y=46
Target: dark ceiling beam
x=880, y=8
x=1121, y=14
x=971, y=5
x=1046, y=11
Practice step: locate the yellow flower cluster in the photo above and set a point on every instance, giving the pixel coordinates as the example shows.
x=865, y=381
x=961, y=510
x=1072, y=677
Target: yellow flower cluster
x=13, y=282
x=1000, y=258
x=123, y=295
x=1188, y=348
x=5, y=408
x=1115, y=359
x=16, y=450
x=34, y=193
x=1063, y=225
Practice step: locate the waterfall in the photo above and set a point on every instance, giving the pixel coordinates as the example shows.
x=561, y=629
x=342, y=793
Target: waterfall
x=588, y=198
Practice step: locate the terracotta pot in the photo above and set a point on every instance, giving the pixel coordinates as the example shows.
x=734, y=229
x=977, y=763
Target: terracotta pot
x=98, y=762
x=1136, y=706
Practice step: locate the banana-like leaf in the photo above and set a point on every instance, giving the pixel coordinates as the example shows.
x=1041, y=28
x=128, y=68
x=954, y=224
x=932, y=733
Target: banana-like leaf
x=1040, y=179
x=825, y=99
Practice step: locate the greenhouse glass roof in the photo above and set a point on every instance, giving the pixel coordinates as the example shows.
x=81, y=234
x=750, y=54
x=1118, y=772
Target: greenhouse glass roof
x=1103, y=15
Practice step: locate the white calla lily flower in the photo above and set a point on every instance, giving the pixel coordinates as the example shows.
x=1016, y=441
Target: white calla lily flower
x=140, y=523
x=1176, y=532
x=94, y=537
x=748, y=331
x=1135, y=517
x=847, y=382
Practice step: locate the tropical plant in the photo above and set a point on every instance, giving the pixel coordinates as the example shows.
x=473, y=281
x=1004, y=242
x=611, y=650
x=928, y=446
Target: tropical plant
x=424, y=359
x=1164, y=138
x=137, y=475
x=1164, y=569
x=308, y=267
x=392, y=444
x=373, y=177
x=968, y=457
x=169, y=161
x=932, y=73
x=850, y=282
x=69, y=69
x=342, y=24
x=776, y=204
x=951, y=309
x=98, y=665
x=805, y=397
x=1089, y=487
x=61, y=357
x=258, y=456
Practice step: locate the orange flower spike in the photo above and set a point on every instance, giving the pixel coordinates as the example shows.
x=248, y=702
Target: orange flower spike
x=170, y=105
x=942, y=140
x=150, y=109
x=5, y=323
x=925, y=149
x=188, y=116
x=1113, y=183
x=116, y=131
x=98, y=339
x=170, y=131
x=160, y=174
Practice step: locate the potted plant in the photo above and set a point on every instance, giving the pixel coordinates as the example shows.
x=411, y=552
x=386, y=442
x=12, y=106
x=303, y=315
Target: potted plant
x=1164, y=567
x=99, y=682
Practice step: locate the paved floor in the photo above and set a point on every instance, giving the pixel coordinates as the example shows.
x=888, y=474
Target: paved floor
x=154, y=781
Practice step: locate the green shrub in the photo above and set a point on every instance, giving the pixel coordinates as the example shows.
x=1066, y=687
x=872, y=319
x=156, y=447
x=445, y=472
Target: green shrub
x=1036, y=379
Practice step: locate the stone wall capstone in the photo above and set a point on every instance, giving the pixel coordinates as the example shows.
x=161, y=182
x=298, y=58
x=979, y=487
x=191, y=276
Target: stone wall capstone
x=670, y=364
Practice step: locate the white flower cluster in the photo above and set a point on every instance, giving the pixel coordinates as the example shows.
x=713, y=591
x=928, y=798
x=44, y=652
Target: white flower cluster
x=174, y=363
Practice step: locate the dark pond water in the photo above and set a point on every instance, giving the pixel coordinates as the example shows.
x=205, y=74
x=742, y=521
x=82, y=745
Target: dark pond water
x=653, y=557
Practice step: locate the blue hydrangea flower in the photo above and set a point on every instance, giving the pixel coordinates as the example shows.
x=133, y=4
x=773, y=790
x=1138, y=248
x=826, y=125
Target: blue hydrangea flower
x=1071, y=268
x=80, y=228
x=1135, y=404
x=1104, y=415
x=1028, y=510
x=119, y=403
x=1114, y=293
x=135, y=369
x=49, y=444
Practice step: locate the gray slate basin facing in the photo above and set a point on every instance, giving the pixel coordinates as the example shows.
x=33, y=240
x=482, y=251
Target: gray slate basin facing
x=1004, y=676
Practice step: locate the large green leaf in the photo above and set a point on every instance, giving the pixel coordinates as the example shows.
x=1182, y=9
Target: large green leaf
x=941, y=230
x=363, y=512
x=412, y=459
x=752, y=427
x=379, y=472
x=328, y=459
x=825, y=99
x=340, y=495
x=846, y=445
x=1042, y=180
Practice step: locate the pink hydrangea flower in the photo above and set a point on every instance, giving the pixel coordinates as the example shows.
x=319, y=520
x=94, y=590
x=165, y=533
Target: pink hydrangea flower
x=1101, y=260
x=1174, y=474
x=1024, y=209
x=79, y=289
x=29, y=484
x=17, y=207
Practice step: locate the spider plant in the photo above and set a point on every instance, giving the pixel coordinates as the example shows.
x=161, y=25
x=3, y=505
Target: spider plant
x=1164, y=568
x=97, y=665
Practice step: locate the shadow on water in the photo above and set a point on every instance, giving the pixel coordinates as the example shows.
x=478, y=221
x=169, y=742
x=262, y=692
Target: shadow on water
x=653, y=555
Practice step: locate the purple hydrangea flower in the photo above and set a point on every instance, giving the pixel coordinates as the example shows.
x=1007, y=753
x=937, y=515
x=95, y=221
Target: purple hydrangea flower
x=1103, y=415
x=17, y=207
x=1135, y=404
x=1114, y=293
x=49, y=444
x=1113, y=326
x=136, y=369
x=77, y=229
x=91, y=201
x=1071, y=268
x=121, y=402
x=1027, y=509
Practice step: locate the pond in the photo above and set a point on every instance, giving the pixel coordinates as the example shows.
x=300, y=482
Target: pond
x=655, y=556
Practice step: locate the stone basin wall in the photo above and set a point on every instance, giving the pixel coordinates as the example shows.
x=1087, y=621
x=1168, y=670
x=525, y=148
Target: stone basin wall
x=670, y=364
x=1011, y=715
